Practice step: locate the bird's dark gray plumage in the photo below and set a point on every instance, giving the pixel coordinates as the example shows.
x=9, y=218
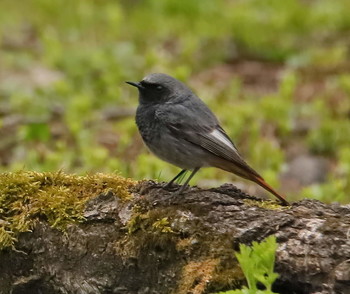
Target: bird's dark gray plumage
x=179, y=128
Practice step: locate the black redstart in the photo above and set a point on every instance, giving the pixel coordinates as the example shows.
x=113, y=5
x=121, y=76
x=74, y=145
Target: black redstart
x=179, y=128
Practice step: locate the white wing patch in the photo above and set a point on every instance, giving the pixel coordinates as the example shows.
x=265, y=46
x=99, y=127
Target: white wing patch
x=219, y=136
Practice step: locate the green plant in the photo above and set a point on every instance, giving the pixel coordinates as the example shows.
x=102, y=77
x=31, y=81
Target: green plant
x=58, y=198
x=257, y=263
x=275, y=73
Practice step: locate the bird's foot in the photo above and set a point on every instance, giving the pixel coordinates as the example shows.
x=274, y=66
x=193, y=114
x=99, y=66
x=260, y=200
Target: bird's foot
x=177, y=190
x=181, y=190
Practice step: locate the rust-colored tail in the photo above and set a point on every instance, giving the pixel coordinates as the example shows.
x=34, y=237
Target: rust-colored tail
x=262, y=183
x=240, y=168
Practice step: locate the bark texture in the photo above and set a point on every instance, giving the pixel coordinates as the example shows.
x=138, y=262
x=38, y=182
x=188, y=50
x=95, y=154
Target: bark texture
x=182, y=244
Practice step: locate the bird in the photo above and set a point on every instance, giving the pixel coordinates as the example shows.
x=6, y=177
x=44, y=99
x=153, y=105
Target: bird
x=179, y=128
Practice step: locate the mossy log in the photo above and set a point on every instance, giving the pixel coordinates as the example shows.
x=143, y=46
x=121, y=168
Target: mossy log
x=158, y=243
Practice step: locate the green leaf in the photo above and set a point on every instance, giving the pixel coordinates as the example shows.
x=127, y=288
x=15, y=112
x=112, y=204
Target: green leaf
x=257, y=263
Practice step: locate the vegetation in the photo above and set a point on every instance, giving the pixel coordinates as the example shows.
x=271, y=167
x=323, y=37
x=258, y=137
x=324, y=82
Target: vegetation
x=55, y=197
x=257, y=263
x=275, y=72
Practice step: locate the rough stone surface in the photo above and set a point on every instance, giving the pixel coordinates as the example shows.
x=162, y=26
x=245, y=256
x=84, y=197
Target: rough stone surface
x=158, y=243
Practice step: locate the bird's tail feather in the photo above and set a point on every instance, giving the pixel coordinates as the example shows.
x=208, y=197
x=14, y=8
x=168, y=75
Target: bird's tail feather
x=261, y=182
x=242, y=169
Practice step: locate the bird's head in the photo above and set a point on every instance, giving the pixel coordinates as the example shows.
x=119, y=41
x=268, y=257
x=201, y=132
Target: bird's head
x=159, y=88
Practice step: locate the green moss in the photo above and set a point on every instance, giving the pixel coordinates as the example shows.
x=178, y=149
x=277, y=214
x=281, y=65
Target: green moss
x=147, y=230
x=162, y=225
x=209, y=275
x=56, y=197
x=264, y=204
x=229, y=278
x=210, y=263
x=152, y=221
x=137, y=222
x=196, y=275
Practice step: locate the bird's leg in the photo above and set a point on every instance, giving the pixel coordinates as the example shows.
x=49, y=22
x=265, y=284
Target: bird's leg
x=168, y=185
x=187, y=181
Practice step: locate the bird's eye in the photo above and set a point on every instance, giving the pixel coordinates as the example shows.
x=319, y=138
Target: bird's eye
x=159, y=88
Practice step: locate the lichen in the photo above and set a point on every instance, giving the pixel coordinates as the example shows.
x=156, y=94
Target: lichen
x=56, y=197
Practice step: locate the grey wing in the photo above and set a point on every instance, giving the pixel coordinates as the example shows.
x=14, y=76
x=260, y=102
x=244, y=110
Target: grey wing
x=200, y=127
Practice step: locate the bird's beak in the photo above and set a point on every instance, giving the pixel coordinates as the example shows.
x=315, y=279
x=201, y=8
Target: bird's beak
x=137, y=85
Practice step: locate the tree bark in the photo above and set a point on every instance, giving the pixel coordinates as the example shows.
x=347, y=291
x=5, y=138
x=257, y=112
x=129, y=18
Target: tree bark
x=158, y=243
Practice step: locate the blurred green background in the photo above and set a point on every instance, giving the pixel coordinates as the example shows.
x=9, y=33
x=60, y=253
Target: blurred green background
x=275, y=72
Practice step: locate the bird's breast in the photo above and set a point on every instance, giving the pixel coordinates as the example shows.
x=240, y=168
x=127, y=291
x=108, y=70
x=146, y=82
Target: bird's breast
x=147, y=124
